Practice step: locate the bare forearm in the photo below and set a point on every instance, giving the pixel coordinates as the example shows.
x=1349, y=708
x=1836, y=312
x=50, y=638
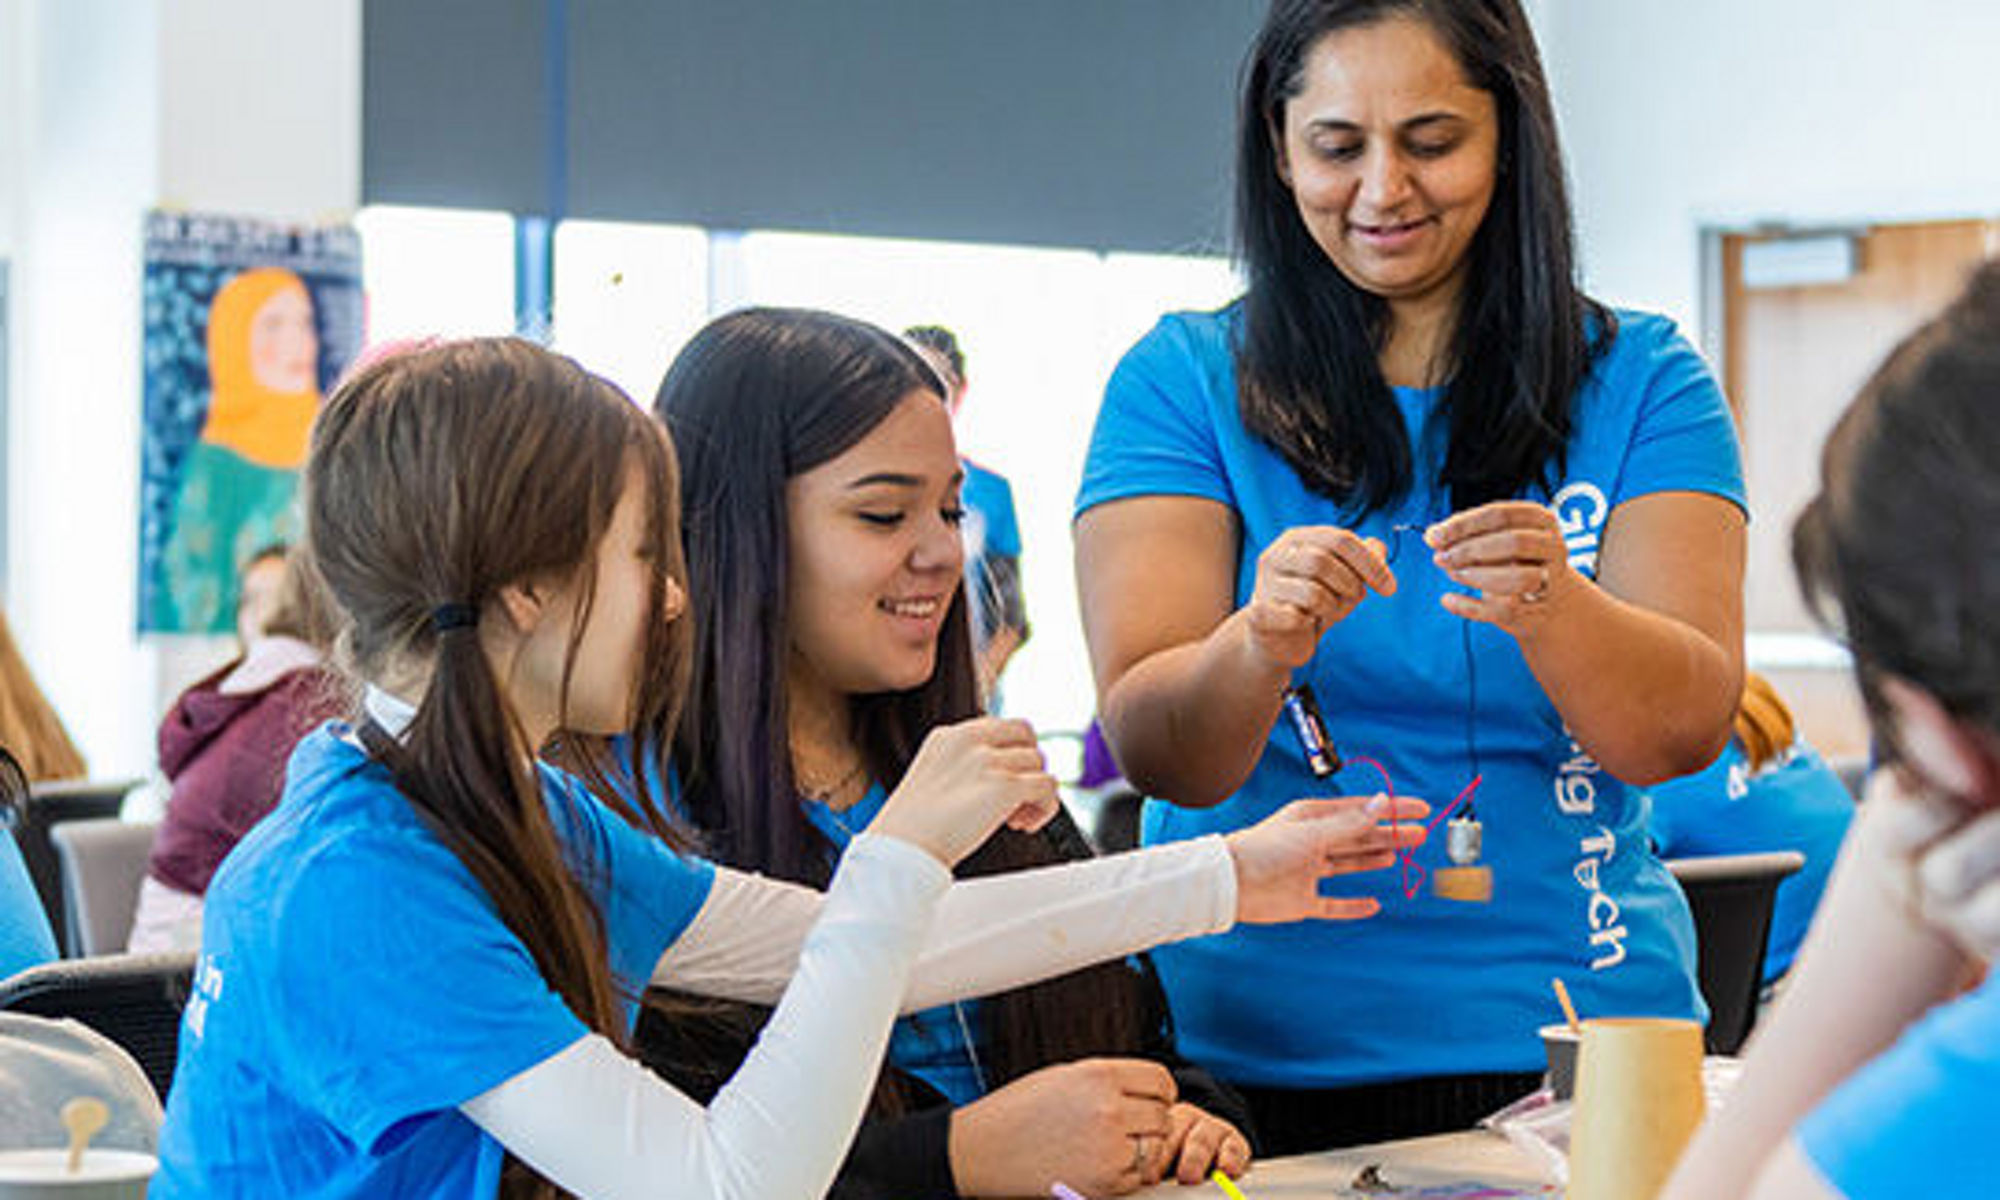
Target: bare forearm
x=1189, y=723
x=1647, y=696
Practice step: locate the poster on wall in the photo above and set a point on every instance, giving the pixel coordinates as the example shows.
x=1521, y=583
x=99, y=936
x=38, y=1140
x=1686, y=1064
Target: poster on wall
x=247, y=323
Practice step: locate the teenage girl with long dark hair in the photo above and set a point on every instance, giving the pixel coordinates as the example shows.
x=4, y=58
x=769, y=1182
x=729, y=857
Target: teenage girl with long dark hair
x=831, y=631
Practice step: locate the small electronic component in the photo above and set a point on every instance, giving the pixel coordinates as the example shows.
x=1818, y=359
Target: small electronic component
x=1466, y=878
x=1321, y=758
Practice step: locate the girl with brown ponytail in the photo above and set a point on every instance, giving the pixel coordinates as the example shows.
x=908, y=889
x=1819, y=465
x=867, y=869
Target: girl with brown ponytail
x=433, y=934
x=418, y=974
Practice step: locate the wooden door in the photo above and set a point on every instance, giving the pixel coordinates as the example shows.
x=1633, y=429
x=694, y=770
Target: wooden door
x=1793, y=358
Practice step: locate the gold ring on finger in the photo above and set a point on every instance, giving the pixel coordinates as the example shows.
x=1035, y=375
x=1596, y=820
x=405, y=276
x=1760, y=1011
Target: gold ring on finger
x=1541, y=590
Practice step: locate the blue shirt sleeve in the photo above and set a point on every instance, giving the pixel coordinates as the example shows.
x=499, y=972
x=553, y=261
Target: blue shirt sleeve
x=1155, y=435
x=401, y=993
x=1918, y=1120
x=1683, y=436
x=398, y=992
x=25, y=939
x=649, y=894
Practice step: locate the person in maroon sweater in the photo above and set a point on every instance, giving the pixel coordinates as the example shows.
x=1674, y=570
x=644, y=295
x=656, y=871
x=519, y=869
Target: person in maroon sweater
x=224, y=745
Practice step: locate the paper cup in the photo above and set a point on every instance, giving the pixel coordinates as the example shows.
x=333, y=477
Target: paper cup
x=1638, y=1101
x=1559, y=1044
x=103, y=1175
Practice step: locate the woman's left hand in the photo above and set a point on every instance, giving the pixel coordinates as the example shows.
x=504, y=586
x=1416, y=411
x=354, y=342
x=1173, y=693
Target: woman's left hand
x=1201, y=1142
x=1511, y=553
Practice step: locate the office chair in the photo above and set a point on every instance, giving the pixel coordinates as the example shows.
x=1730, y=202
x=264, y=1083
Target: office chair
x=102, y=862
x=1732, y=897
x=133, y=999
x=50, y=804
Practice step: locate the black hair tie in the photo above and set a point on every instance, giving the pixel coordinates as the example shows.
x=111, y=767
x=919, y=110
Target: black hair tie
x=447, y=617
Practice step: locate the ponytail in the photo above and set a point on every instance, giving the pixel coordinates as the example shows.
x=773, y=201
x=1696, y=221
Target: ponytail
x=436, y=479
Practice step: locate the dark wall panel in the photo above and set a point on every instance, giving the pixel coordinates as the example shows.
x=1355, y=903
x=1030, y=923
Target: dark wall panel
x=1095, y=123
x=454, y=108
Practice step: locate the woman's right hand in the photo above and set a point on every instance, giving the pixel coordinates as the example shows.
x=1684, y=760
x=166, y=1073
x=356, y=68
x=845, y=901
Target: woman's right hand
x=1101, y=1125
x=1307, y=582
x=966, y=781
x=1281, y=859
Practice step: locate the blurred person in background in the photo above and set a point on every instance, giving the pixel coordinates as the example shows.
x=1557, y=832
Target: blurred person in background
x=225, y=741
x=992, y=531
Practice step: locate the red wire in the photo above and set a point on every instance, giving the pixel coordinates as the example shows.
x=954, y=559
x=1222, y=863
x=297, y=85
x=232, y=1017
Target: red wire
x=1407, y=855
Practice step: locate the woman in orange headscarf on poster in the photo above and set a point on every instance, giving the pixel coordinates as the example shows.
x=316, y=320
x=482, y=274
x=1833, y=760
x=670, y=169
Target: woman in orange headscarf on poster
x=240, y=480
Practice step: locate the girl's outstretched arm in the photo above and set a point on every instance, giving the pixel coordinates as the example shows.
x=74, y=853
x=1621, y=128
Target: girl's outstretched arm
x=599, y=1125
x=1006, y=931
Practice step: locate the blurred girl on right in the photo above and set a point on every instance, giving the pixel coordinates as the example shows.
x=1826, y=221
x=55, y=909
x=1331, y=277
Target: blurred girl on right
x=1868, y=1081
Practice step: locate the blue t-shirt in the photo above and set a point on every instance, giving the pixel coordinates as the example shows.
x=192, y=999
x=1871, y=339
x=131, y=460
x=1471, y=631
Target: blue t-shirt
x=988, y=494
x=992, y=531
x=1430, y=986
x=1917, y=1121
x=356, y=986
x=25, y=940
x=942, y=1045
x=1796, y=802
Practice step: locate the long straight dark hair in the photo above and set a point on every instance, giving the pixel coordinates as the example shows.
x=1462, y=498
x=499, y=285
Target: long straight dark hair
x=757, y=397
x=1900, y=550
x=1309, y=378
x=437, y=478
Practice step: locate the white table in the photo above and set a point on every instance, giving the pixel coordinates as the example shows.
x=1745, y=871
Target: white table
x=1420, y=1168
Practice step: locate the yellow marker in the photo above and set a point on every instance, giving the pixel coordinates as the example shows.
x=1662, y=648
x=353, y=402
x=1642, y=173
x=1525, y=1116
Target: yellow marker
x=1228, y=1189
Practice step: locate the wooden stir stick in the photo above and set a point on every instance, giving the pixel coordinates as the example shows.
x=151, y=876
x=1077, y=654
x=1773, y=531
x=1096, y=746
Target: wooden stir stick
x=83, y=1117
x=1569, y=1010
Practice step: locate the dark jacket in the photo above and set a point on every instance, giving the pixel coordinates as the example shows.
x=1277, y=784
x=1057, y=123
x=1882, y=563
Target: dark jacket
x=226, y=754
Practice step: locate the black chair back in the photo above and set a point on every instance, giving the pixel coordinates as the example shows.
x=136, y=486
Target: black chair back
x=133, y=999
x=50, y=804
x=1732, y=897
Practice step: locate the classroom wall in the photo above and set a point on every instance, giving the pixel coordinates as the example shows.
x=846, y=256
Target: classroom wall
x=14, y=80
x=115, y=107
x=1722, y=111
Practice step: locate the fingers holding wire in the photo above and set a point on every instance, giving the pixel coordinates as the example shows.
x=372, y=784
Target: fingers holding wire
x=1309, y=580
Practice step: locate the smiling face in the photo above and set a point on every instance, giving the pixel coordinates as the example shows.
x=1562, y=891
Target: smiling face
x=1390, y=154
x=875, y=556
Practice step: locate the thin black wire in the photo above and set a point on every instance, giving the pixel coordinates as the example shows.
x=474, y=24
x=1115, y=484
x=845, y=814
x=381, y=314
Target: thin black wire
x=1396, y=533
x=1471, y=710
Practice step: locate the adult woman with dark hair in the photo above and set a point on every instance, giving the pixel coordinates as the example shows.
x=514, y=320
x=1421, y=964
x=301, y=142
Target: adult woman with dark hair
x=831, y=633
x=1874, y=1078
x=1494, y=526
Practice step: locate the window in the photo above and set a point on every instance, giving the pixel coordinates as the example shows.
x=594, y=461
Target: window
x=628, y=297
x=436, y=272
